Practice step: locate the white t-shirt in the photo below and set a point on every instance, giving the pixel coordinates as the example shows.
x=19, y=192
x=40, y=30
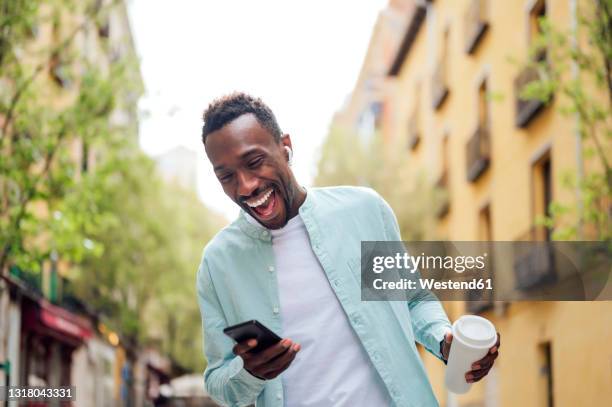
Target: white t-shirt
x=332, y=367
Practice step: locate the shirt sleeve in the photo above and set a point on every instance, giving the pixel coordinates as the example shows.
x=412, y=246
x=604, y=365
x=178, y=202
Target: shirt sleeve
x=429, y=320
x=226, y=380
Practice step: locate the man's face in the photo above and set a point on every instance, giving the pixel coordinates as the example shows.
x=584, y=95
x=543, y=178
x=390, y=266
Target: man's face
x=252, y=169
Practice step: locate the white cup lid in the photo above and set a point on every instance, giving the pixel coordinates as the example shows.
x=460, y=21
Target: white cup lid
x=475, y=331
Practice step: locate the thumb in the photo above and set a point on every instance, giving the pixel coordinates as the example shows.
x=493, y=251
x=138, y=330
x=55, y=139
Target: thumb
x=448, y=339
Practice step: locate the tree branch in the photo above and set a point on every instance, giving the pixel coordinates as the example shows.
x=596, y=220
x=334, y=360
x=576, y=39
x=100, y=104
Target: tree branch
x=606, y=20
x=62, y=46
x=27, y=197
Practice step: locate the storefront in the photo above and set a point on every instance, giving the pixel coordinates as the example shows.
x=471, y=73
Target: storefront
x=49, y=337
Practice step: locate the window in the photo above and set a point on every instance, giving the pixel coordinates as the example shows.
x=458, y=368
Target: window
x=414, y=125
x=542, y=194
x=483, y=105
x=439, y=85
x=476, y=24
x=443, y=181
x=479, y=145
x=479, y=301
x=545, y=376
x=538, y=11
x=527, y=109
x=485, y=231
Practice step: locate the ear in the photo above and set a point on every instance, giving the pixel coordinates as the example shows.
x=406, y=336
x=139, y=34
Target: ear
x=286, y=141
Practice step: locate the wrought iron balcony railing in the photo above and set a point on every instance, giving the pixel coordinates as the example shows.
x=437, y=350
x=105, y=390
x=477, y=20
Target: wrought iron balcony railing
x=478, y=151
x=527, y=109
x=534, y=260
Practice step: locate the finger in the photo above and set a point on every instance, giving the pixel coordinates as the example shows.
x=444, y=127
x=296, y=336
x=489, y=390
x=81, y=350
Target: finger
x=284, y=358
x=487, y=361
x=270, y=353
x=448, y=339
x=279, y=364
x=272, y=374
x=497, y=344
x=477, y=375
x=283, y=362
x=243, y=347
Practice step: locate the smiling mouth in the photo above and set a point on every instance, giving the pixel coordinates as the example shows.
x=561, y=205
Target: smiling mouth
x=265, y=205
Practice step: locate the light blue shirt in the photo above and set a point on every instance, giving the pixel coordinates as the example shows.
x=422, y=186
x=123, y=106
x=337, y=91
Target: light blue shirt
x=236, y=282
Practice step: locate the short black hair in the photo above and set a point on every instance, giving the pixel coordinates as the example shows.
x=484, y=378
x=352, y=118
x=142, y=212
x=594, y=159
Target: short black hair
x=229, y=107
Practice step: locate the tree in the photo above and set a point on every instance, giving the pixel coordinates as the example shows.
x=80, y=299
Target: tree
x=348, y=160
x=129, y=243
x=578, y=71
x=41, y=122
x=144, y=281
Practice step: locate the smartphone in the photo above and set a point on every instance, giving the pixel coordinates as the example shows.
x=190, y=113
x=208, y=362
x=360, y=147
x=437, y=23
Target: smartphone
x=253, y=330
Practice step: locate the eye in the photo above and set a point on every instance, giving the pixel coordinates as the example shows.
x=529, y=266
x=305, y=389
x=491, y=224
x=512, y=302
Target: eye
x=225, y=178
x=256, y=162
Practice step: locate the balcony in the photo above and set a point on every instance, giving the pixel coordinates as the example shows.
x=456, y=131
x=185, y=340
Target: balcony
x=478, y=151
x=476, y=24
x=534, y=260
x=444, y=201
x=414, y=136
x=439, y=86
x=527, y=109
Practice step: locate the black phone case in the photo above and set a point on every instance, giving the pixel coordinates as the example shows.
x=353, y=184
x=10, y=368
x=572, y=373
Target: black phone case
x=252, y=330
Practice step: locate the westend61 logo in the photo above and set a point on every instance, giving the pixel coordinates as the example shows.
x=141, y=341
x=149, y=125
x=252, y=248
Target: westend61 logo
x=422, y=262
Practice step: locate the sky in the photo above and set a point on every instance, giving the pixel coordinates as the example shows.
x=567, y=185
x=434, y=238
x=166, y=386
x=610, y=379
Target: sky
x=301, y=57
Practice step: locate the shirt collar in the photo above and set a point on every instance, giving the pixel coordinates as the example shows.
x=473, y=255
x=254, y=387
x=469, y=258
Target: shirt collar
x=256, y=231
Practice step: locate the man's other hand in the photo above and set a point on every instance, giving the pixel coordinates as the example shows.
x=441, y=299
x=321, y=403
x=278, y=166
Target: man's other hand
x=271, y=361
x=481, y=367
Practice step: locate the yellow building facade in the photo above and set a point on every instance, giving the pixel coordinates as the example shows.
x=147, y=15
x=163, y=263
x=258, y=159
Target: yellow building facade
x=450, y=98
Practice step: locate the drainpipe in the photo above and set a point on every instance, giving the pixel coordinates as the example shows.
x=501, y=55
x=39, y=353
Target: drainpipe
x=579, y=158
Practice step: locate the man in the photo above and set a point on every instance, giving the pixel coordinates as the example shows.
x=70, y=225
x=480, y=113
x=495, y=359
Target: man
x=291, y=261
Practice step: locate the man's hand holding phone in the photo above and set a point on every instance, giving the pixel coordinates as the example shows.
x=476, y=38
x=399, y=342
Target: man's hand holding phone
x=264, y=353
x=270, y=362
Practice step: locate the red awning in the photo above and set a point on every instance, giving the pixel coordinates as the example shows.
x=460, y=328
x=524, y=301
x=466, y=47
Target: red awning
x=58, y=322
x=65, y=322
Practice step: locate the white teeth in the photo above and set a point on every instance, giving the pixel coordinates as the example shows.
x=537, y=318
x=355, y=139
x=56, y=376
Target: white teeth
x=264, y=198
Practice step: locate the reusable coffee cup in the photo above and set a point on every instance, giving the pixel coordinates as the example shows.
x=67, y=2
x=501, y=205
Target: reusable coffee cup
x=473, y=336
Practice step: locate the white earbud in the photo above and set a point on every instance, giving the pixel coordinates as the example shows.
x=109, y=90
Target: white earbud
x=289, y=154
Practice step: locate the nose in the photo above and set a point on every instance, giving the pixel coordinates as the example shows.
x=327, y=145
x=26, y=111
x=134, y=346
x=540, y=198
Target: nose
x=247, y=184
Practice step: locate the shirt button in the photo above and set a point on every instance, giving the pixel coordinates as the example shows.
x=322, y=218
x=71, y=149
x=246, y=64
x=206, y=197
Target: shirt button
x=336, y=283
x=279, y=396
x=265, y=233
x=271, y=269
x=275, y=310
